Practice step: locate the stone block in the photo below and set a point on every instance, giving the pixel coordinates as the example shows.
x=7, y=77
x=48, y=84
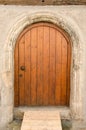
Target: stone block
x=41, y=120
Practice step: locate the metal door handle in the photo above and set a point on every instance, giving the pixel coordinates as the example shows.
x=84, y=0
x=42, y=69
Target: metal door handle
x=22, y=68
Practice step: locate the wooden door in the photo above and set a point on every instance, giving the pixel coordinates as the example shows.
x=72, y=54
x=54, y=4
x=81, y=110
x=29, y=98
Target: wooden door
x=42, y=66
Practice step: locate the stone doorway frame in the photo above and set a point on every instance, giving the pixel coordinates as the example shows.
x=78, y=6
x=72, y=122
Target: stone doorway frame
x=70, y=27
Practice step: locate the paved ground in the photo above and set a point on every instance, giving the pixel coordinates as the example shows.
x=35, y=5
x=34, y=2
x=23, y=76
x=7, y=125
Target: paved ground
x=41, y=120
x=16, y=125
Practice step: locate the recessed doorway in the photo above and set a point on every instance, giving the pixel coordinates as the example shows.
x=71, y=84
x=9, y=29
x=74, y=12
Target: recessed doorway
x=42, y=66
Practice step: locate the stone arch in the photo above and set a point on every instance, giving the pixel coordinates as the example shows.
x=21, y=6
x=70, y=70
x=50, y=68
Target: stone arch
x=75, y=109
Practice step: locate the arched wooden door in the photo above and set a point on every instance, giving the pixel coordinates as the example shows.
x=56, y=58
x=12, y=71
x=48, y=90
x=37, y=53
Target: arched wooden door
x=42, y=66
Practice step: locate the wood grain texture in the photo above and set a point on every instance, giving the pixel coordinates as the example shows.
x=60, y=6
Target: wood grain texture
x=45, y=52
x=33, y=66
x=27, y=68
x=46, y=2
x=16, y=79
x=68, y=73
x=21, y=73
x=40, y=67
x=46, y=65
x=58, y=69
x=63, y=71
x=52, y=67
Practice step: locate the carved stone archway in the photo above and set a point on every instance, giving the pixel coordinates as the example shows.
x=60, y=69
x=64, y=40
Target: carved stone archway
x=75, y=109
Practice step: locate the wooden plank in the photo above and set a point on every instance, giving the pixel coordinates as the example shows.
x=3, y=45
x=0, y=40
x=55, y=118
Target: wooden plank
x=39, y=66
x=64, y=72
x=52, y=67
x=45, y=2
x=68, y=71
x=33, y=66
x=27, y=68
x=46, y=57
x=21, y=73
x=16, y=87
x=58, y=69
x=45, y=65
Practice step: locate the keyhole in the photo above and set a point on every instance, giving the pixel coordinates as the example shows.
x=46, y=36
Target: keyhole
x=43, y=0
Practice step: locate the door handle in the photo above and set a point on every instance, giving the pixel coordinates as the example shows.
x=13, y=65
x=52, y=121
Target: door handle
x=22, y=68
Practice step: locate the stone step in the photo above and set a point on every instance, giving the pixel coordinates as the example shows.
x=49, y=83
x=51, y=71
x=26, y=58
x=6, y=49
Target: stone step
x=41, y=120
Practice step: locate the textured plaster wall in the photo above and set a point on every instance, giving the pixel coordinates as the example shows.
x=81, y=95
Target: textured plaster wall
x=72, y=19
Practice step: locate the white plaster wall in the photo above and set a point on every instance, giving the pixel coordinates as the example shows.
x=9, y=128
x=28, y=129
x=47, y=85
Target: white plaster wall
x=9, y=15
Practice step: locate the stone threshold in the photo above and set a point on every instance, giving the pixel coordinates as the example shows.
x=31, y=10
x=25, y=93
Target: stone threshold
x=64, y=111
x=41, y=120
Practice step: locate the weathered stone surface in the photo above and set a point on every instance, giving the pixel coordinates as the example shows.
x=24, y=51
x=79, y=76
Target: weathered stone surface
x=15, y=125
x=18, y=114
x=13, y=20
x=41, y=120
x=66, y=124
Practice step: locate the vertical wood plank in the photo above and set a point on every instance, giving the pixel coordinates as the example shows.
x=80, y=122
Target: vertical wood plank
x=40, y=66
x=58, y=69
x=33, y=66
x=27, y=68
x=52, y=67
x=45, y=65
x=46, y=55
x=64, y=72
x=68, y=72
x=21, y=73
x=16, y=87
